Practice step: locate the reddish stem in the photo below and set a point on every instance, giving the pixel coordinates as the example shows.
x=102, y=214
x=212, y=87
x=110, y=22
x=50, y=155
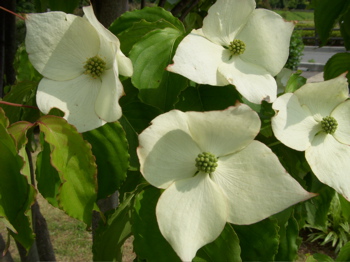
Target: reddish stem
x=18, y=105
x=19, y=16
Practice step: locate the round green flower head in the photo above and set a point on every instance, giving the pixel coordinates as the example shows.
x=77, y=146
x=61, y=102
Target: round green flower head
x=329, y=124
x=95, y=66
x=237, y=47
x=206, y=162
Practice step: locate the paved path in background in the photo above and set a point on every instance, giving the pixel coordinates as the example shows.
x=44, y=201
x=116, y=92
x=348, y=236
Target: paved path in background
x=313, y=60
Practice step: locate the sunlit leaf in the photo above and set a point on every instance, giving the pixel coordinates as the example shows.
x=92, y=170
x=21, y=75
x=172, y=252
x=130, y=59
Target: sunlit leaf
x=150, y=56
x=295, y=82
x=149, y=14
x=72, y=157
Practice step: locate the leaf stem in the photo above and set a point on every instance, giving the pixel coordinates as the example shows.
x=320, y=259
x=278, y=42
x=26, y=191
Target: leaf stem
x=9, y=11
x=18, y=105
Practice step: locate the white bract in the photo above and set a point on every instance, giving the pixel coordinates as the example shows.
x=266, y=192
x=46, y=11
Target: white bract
x=238, y=45
x=316, y=119
x=80, y=61
x=237, y=180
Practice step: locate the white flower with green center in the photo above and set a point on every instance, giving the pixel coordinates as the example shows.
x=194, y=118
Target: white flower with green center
x=238, y=45
x=80, y=61
x=213, y=172
x=316, y=119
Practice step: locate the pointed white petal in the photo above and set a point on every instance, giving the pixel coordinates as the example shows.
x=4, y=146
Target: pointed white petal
x=59, y=44
x=329, y=160
x=293, y=125
x=266, y=36
x=125, y=67
x=191, y=213
x=342, y=114
x=224, y=132
x=225, y=19
x=256, y=184
x=76, y=98
x=321, y=98
x=109, y=43
x=107, y=102
x=252, y=81
x=167, y=152
x=198, y=59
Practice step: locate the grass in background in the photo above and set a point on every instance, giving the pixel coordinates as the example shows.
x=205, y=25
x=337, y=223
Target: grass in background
x=69, y=238
x=296, y=15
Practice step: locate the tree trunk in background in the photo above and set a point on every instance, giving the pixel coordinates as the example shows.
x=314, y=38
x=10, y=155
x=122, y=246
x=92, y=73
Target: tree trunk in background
x=107, y=11
x=7, y=45
x=43, y=242
x=7, y=257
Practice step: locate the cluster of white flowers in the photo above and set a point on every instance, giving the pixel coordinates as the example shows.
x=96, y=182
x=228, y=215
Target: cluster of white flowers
x=80, y=61
x=212, y=169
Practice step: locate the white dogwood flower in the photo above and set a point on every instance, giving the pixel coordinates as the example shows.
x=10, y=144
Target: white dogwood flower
x=213, y=172
x=316, y=119
x=80, y=61
x=238, y=45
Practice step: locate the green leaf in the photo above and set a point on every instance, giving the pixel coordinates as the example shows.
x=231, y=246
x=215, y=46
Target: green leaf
x=338, y=64
x=110, y=237
x=224, y=248
x=345, y=207
x=295, y=82
x=23, y=94
x=110, y=147
x=259, y=241
x=327, y=14
x=72, y=157
x=150, y=56
x=344, y=254
x=138, y=114
x=18, y=131
x=317, y=207
x=47, y=177
x=149, y=243
x=345, y=28
x=24, y=69
x=136, y=117
x=319, y=258
x=16, y=195
x=138, y=30
x=206, y=98
x=149, y=14
x=289, y=236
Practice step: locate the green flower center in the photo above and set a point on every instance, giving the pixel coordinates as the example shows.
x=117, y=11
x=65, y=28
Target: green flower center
x=95, y=66
x=329, y=124
x=237, y=47
x=206, y=162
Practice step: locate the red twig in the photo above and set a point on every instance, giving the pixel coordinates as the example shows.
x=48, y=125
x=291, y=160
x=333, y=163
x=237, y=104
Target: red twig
x=19, y=16
x=18, y=105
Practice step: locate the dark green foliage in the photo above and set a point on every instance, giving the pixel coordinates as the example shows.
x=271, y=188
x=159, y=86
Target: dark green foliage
x=295, y=50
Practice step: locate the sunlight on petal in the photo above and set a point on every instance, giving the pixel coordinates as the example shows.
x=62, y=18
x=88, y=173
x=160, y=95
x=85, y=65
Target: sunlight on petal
x=191, y=213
